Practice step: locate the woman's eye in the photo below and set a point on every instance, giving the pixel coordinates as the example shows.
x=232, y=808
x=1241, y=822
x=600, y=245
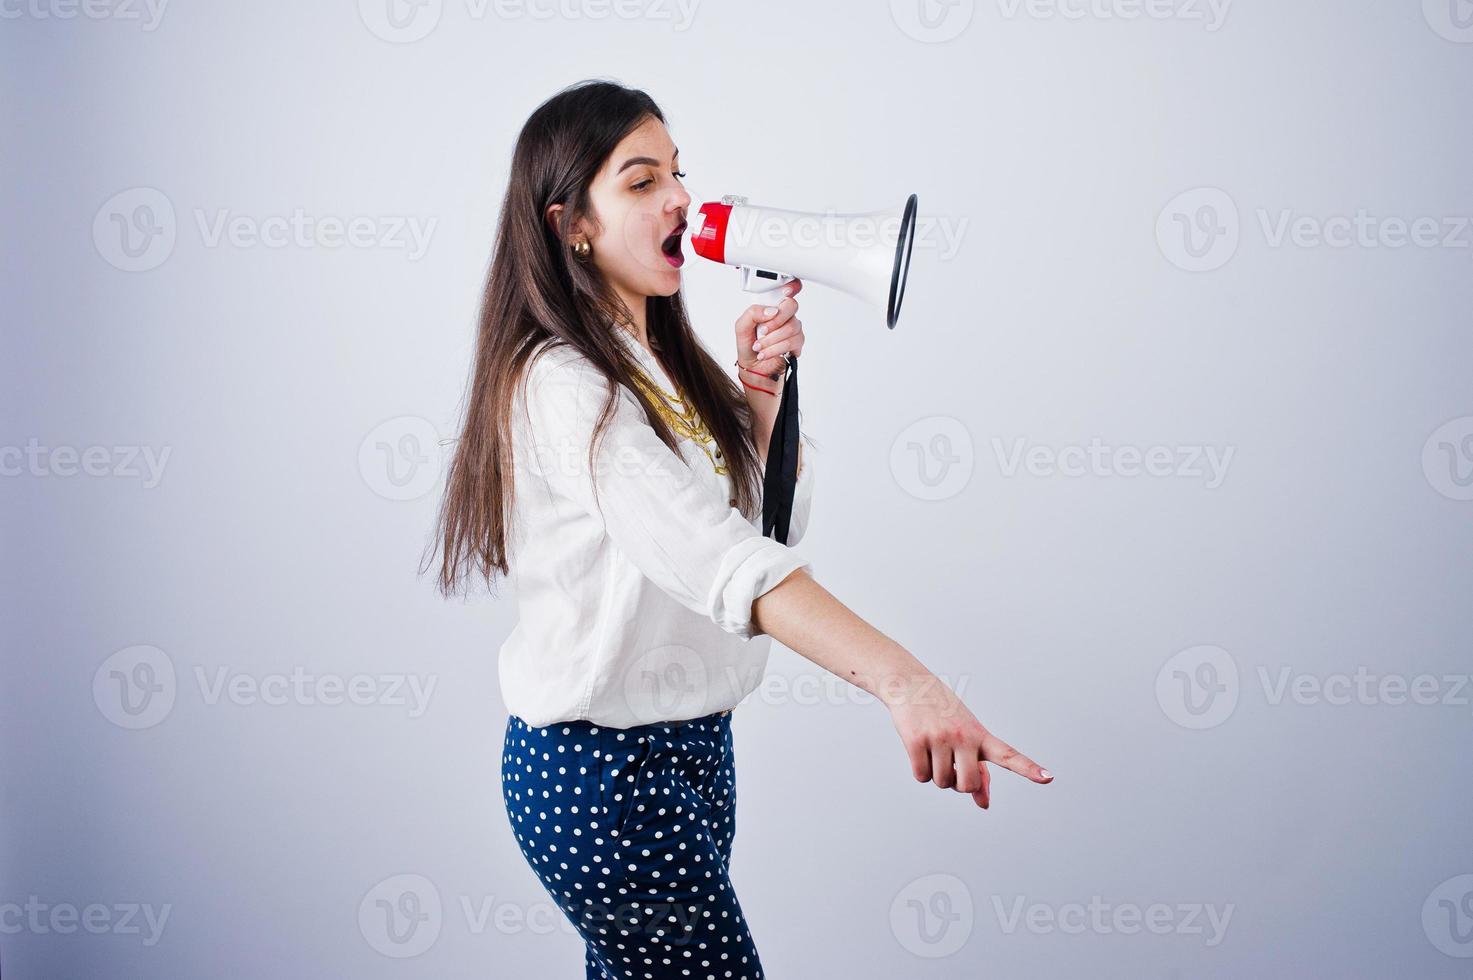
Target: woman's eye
x=647, y=182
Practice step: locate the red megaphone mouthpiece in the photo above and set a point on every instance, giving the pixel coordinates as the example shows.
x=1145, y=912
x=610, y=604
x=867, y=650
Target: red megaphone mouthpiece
x=710, y=241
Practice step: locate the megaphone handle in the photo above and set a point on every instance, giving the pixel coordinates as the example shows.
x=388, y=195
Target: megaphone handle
x=780, y=477
x=765, y=289
x=769, y=297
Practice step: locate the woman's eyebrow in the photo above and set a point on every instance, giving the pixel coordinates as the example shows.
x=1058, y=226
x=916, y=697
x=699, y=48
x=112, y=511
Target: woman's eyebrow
x=633, y=161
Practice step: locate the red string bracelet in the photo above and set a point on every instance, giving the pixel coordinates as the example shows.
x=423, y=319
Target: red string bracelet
x=755, y=387
x=769, y=377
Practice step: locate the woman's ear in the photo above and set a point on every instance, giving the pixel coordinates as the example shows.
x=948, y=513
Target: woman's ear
x=554, y=214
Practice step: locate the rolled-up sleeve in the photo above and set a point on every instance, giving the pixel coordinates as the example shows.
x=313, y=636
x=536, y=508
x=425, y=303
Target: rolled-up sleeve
x=680, y=534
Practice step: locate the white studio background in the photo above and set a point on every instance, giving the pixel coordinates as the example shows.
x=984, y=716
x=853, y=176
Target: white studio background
x=1166, y=467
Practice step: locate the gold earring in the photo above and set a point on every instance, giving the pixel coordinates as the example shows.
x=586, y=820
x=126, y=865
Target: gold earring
x=582, y=249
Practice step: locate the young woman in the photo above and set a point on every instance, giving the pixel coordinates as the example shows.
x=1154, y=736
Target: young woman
x=610, y=467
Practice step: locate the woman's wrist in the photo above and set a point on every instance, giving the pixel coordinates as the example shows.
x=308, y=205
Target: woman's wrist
x=911, y=684
x=765, y=375
x=771, y=368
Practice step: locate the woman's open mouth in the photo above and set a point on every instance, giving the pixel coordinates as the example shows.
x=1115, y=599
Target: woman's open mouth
x=671, y=247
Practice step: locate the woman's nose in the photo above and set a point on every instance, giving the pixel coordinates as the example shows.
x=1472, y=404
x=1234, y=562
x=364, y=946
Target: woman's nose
x=680, y=199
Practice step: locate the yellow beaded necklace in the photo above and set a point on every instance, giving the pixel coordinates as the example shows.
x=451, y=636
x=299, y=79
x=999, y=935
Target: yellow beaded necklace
x=682, y=419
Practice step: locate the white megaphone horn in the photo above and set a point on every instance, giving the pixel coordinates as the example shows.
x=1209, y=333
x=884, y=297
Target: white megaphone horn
x=865, y=255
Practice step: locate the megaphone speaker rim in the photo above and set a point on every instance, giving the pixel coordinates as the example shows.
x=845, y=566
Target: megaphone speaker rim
x=901, y=271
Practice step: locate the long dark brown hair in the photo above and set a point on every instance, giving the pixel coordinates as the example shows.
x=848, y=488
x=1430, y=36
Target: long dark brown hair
x=537, y=290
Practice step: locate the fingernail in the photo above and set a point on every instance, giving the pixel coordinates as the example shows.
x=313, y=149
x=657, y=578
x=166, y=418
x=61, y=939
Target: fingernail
x=1045, y=774
x=788, y=291
x=757, y=345
x=769, y=311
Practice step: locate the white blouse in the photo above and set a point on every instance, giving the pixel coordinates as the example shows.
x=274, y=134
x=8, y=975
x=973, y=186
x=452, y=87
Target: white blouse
x=635, y=607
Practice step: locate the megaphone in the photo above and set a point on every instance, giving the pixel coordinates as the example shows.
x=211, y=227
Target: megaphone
x=854, y=253
x=866, y=255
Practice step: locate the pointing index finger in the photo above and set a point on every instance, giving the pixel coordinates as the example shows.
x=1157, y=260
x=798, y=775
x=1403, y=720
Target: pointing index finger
x=1000, y=753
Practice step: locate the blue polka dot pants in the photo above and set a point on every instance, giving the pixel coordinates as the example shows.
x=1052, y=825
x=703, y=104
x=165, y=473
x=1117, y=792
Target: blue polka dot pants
x=630, y=831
